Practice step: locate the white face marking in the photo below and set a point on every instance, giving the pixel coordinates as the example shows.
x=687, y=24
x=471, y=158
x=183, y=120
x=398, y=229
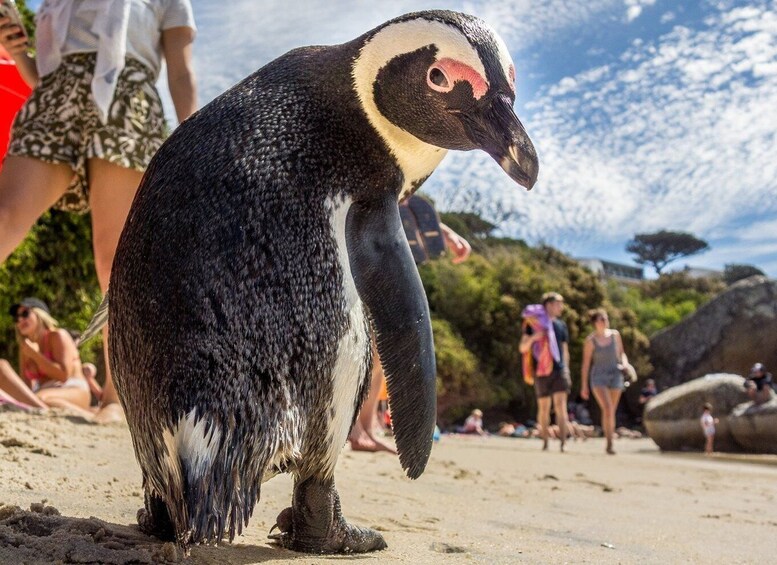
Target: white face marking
x=416, y=158
x=353, y=349
x=505, y=59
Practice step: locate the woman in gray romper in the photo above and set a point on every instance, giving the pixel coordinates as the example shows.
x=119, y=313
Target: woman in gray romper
x=603, y=361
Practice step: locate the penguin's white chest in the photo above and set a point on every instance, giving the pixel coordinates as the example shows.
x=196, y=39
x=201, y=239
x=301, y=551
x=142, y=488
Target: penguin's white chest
x=353, y=349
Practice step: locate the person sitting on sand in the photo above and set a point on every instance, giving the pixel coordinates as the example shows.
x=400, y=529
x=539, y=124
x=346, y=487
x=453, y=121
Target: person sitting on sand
x=52, y=375
x=759, y=384
x=474, y=424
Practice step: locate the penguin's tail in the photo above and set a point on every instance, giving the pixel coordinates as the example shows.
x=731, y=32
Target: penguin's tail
x=99, y=320
x=208, y=489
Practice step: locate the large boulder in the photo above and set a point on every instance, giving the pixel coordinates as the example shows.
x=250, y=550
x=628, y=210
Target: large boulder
x=754, y=427
x=672, y=418
x=728, y=334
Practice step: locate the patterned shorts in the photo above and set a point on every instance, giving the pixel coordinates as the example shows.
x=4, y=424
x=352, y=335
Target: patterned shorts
x=60, y=123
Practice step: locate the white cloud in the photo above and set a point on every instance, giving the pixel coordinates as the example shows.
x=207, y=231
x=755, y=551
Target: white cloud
x=634, y=8
x=667, y=17
x=236, y=39
x=679, y=134
x=676, y=133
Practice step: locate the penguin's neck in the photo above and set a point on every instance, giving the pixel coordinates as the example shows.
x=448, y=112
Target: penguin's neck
x=415, y=158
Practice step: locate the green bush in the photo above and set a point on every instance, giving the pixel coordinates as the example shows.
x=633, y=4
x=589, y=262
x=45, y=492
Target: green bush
x=54, y=263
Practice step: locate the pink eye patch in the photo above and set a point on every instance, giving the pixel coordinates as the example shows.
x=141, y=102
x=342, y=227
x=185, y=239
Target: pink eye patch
x=454, y=71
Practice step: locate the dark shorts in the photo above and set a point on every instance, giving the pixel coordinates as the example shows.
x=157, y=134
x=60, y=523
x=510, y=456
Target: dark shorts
x=547, y=386
x=60, y=123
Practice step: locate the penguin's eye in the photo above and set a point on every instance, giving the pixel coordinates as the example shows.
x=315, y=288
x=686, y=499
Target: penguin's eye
x=438, y=80
x=445, y=73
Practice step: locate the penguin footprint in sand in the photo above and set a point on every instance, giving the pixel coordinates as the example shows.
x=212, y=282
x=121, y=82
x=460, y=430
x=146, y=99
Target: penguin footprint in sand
x=265, y=243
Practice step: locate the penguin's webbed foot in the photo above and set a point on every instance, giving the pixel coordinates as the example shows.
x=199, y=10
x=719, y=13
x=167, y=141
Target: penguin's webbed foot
x=316, y=525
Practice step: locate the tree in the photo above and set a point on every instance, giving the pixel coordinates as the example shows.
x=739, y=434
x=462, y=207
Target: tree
x=734, y=272
x=661, y=248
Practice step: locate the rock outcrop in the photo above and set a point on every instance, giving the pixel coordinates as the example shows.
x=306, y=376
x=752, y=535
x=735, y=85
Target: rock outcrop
x=672, y=418
x=754, y=427
x=728, y=334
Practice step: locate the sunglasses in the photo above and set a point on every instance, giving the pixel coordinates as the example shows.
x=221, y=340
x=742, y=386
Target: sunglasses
x=21, y=315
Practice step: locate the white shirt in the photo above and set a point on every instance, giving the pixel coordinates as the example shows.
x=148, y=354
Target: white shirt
x=708, y=423
x=147, y=20
x=113, y=29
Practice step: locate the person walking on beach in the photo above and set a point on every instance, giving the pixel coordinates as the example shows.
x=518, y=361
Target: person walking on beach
x=50, y=370
x=603, y=361
x=708, y=427
x=94, y=118
x=545, y=341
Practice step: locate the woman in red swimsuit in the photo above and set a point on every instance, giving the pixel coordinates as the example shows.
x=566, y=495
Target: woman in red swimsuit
x=49, y=363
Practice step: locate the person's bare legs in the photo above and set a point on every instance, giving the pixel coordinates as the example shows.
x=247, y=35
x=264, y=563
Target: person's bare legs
x=73, y=399
x=364, y=434
x=562, y=418
x=615, y=398
x=15, y=388
x=28, y=187
x=111, y=191
x=543, y=418
x=604, y=399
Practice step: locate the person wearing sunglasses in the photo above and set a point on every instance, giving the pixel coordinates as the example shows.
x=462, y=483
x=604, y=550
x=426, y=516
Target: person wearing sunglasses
x=50, y=367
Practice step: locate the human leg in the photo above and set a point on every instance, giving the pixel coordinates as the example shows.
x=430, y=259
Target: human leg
x=364, y=434
x=543, y=418
x=562, y=418
x=16, y=389
x=615, y=398
x=111, y=191
x=602, y=396
x=65, y=397
x=28, y=187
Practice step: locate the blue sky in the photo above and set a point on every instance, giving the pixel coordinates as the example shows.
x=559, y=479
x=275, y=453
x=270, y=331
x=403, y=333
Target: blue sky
x=646, y=114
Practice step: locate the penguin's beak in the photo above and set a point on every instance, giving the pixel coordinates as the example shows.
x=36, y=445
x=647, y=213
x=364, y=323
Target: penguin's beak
x=497, y=130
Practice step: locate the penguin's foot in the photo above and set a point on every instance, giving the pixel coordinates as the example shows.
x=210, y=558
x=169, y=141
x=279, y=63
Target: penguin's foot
x=316, y=525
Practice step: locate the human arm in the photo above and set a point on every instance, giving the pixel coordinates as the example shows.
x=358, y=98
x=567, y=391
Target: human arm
x=588, y=349
x=177, y=45
x=63, y=352
x=18, y=49
x=565, y=357
x=457, y=244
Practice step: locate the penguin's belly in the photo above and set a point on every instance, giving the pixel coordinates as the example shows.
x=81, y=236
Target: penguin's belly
x=354, y=352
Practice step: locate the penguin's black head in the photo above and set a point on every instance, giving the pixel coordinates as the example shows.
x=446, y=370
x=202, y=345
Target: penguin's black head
x=447, y=80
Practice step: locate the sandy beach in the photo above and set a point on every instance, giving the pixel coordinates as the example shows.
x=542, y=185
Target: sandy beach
x=481, y=500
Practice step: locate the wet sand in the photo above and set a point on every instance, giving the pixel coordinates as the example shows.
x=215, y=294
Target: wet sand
x=481, y=500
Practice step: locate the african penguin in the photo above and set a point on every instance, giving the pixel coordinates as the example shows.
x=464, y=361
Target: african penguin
x=264, y=246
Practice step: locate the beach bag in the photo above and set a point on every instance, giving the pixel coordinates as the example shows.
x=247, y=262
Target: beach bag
x=422, y=228
x=629, y=374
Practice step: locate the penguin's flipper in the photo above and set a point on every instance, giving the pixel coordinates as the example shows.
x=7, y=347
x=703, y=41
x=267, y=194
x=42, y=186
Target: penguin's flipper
x=388, y=283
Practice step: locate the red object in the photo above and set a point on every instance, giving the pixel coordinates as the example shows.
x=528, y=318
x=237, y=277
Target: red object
x=13, y=93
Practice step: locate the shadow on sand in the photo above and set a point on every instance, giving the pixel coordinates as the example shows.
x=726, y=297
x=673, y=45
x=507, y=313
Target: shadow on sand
x=42, y=535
